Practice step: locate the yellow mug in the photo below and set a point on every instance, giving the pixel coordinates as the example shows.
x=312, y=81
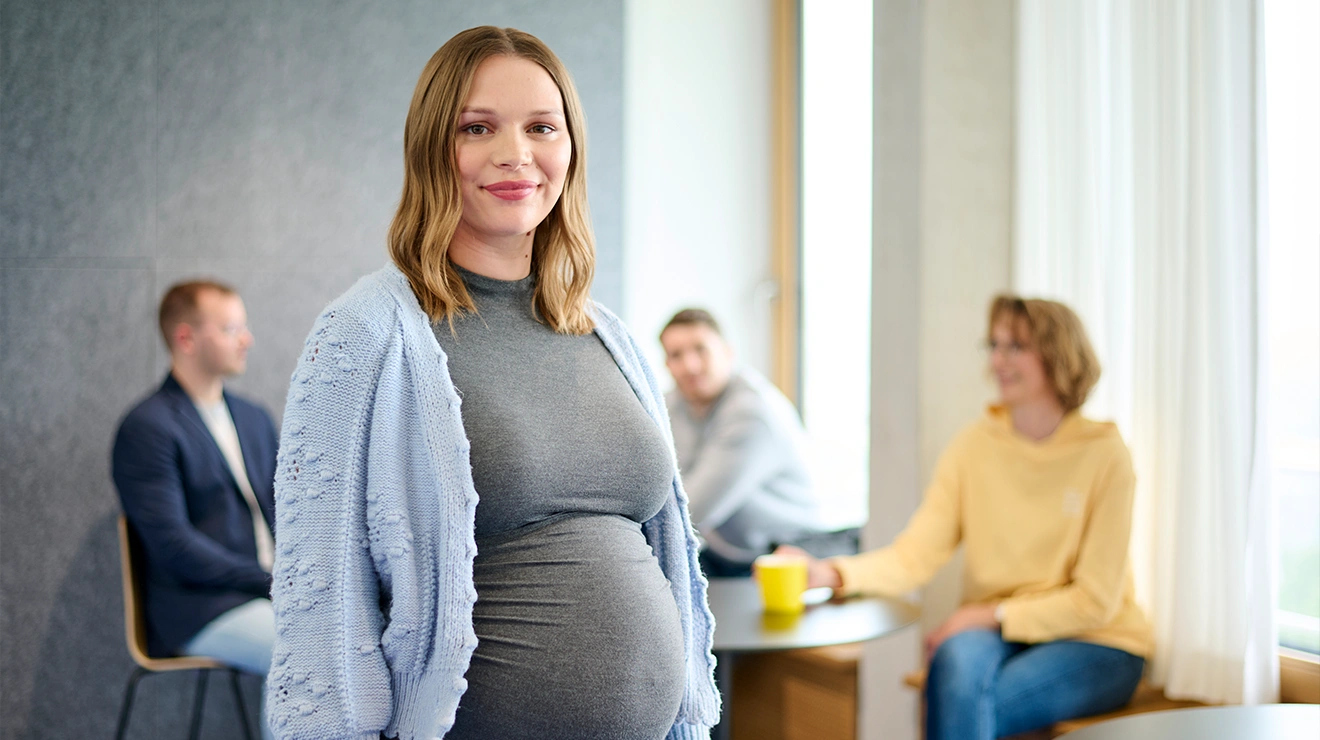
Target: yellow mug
x=783, y=578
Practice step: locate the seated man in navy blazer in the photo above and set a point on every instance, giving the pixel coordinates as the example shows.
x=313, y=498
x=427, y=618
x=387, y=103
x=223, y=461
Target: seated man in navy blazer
x=195, y=469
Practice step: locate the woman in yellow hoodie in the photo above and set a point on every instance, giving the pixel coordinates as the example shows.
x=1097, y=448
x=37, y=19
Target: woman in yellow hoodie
x=1040, y=497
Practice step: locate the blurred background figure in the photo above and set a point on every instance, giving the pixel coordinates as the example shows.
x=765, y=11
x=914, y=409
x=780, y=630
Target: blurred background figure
x=1040, y=498
x=742, y=453
x=195, y=467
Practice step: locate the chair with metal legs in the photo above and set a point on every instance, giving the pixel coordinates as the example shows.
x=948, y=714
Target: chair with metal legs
x=135, y=633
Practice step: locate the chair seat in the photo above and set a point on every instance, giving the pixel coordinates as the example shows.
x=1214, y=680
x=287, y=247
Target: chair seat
x=180, y=663
x=1146, y=698
x=916, y=679
x=135, y=635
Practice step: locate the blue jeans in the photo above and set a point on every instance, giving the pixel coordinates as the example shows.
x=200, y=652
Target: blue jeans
x=242, y=637
x=980, y=687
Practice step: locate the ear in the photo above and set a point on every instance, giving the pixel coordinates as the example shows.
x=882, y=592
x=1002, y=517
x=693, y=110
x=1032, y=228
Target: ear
x=183, y=336
x=729, y=354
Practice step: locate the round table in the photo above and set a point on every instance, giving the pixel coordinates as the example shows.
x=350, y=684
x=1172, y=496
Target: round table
x=741, y=627
x=1260, y=722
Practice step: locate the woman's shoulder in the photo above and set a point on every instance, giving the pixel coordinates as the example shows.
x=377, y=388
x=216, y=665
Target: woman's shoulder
x=1112, y=448
x=613, y=331
x=1103, y=435
x=606, y=319
x=1101, y=443
x=371, y=297
x=622, y=345
x=374, y=306
x=989, y=425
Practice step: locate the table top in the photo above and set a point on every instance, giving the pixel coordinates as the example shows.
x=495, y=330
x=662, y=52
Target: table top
x=741, y=625
x=1261, y=722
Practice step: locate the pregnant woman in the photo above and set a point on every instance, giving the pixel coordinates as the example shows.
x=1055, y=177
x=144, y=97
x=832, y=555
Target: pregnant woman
x=481, y=531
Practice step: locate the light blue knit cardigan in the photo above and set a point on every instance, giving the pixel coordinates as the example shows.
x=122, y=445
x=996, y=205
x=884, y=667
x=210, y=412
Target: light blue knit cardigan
x=373, y=587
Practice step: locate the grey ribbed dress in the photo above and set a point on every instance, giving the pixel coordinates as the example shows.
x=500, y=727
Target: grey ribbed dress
x=578, y=634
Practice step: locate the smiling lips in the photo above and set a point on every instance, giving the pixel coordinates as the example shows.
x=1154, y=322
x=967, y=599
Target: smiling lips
x=511, y=189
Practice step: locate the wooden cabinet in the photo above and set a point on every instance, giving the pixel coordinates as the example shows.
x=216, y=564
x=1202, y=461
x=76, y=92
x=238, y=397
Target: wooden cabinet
x=796, y=694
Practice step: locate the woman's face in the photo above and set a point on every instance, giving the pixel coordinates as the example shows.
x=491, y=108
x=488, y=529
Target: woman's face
x=1017, y=365
x=512, y=148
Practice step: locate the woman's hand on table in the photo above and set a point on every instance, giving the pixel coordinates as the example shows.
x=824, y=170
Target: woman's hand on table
x=968, y=617
x=819, y=572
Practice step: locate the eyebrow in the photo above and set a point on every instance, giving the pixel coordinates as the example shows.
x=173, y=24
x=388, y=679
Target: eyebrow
x=533, y=114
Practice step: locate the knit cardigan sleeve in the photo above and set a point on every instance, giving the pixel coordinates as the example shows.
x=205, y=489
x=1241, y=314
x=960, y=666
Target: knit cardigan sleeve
x=360, y=644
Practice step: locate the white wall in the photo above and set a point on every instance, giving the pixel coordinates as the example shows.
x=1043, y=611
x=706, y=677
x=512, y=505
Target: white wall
x=943, y=156
x=967, y=223
x=697, y=84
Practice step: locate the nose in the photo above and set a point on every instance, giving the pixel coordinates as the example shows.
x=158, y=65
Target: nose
x=245, y=338
x=692, y=364
x=512, y=151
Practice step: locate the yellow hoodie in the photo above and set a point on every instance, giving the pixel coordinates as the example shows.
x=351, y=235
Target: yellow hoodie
x=1045, y=526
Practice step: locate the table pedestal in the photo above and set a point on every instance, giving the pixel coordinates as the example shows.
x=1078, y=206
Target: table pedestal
x=741, y=626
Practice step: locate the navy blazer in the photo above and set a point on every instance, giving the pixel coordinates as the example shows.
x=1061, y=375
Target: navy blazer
x=197, y=552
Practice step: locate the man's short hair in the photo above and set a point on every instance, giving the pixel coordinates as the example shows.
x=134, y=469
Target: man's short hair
x=693, y=316
x=179, y=306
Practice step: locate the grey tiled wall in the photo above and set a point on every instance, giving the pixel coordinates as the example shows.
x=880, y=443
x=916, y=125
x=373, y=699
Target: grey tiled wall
x=143, y=141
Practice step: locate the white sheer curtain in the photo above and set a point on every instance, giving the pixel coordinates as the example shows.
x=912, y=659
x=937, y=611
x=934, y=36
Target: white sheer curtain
x=1137, y=204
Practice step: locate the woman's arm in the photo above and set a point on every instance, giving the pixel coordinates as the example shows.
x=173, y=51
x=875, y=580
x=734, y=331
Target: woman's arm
x=924, y=545
x=328, y=676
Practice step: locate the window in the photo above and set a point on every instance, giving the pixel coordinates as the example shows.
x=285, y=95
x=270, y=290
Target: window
x=836, y=248
x=1292, y=114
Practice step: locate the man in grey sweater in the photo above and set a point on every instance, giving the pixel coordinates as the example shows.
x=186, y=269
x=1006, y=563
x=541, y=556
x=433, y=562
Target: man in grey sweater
x=742, y=451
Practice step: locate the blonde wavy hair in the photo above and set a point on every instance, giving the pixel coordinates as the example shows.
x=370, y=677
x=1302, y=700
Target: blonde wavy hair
x=563, y=248
x=1054, y=331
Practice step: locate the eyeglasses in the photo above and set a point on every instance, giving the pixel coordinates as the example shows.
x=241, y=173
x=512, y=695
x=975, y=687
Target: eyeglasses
x=229, y=330
x=1009, y=349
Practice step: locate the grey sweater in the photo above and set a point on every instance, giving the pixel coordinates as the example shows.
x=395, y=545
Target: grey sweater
x=745, y=468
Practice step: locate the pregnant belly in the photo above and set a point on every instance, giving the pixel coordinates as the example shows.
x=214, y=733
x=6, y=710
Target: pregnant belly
x=578, y=635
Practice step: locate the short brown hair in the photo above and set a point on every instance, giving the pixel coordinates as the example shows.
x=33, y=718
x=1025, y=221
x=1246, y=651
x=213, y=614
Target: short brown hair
x=1058, y=335
x=563, y=247
x=693, y=316
x=179, y=306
